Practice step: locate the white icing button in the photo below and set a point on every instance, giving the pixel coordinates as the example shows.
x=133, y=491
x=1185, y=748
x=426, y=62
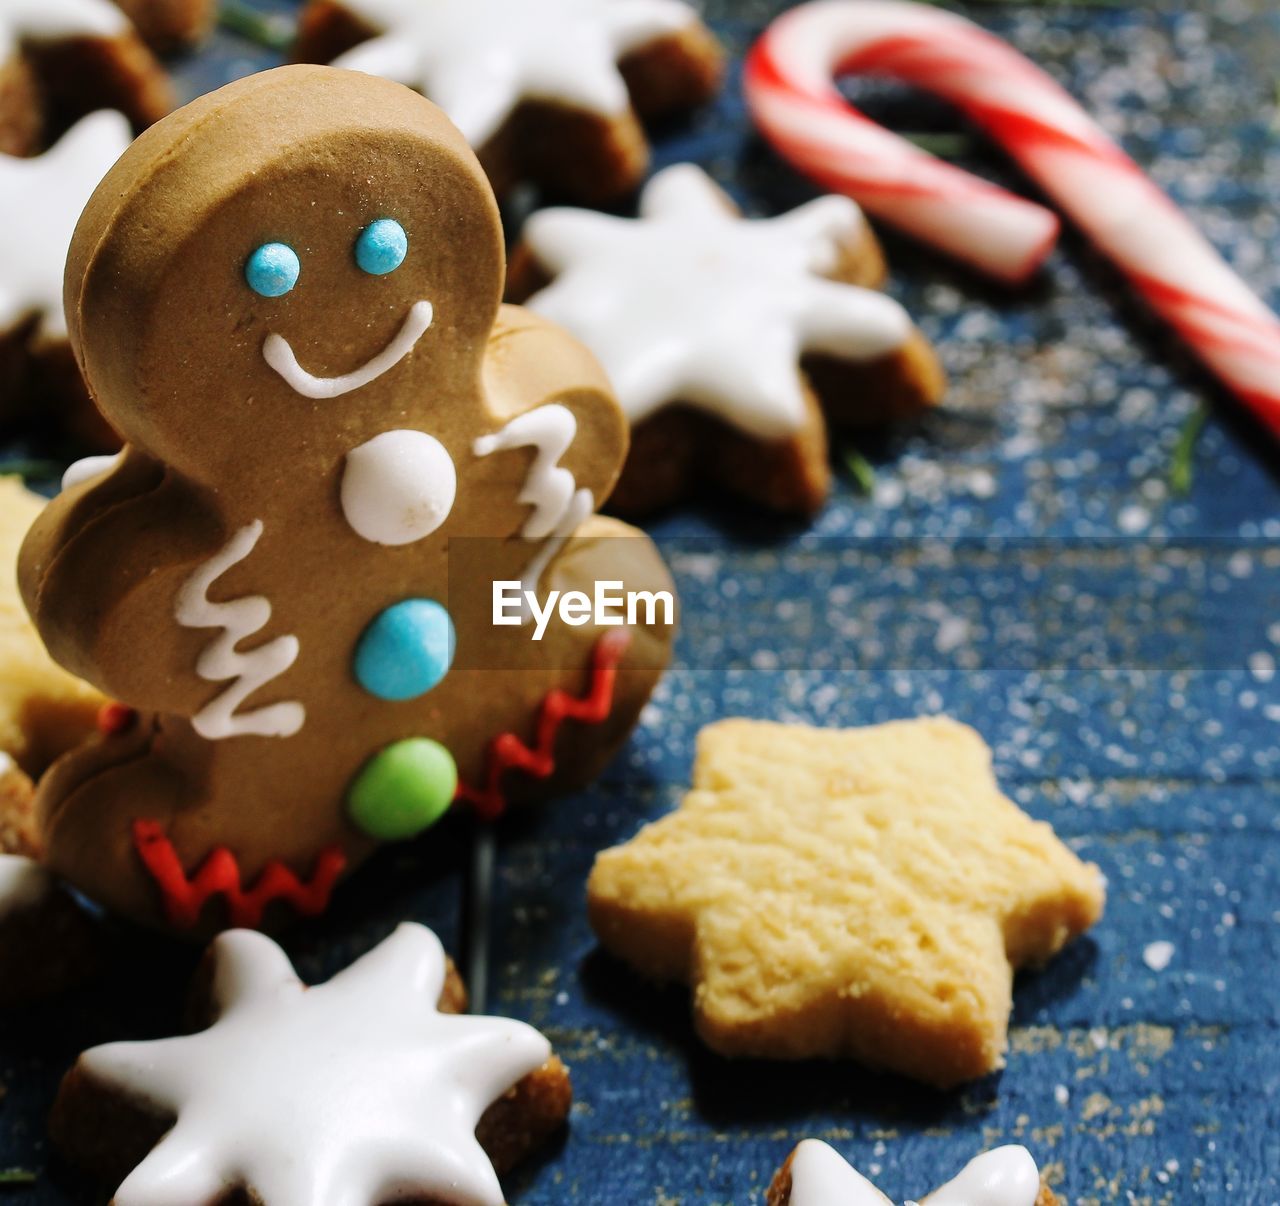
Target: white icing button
x=399, y=487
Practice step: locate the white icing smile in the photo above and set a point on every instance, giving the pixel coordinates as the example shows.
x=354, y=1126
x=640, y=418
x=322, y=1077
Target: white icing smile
x=279, y=355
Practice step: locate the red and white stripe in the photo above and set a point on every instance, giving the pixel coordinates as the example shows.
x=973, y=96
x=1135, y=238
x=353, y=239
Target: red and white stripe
x=792, y=96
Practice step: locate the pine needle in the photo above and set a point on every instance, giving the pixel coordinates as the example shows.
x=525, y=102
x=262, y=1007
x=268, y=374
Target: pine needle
x=943, y=145
x=270, y=31
x=1182, y=469
x=861, y=471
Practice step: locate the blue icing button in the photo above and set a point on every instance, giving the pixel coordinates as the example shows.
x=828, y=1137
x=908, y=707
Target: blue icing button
x=273, y=270
x=406, y=651
x=381, y=247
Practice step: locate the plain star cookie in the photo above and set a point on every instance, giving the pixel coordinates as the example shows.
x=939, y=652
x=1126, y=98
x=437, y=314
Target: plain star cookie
x=815, y=1174
x=338, y=440
x=40, y=202
x=63, y=59
x=44, y=711
x=861, y=893
x=552, y=92
x=732, y=342
x=357, y=1091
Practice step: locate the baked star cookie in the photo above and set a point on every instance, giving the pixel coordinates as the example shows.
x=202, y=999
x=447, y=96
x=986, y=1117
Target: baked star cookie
x=861, y=893
x=552, y=92
x=18, y=830
x=732, y=343
x=44, y=711
x=815, y=1174
x=40, y=202
x=357, y=1091
x=62, y=59
x=337, y=441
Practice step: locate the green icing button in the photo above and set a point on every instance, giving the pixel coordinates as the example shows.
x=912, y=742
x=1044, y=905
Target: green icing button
x=403, y=790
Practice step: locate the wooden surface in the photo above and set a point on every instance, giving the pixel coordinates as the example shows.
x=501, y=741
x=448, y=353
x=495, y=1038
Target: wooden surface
x=1023, y=565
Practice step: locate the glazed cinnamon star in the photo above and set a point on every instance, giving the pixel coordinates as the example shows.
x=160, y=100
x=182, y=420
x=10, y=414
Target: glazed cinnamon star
x=552, y=92
x=733, y=343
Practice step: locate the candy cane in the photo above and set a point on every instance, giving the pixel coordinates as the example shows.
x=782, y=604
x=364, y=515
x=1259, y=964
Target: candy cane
x=792, y=96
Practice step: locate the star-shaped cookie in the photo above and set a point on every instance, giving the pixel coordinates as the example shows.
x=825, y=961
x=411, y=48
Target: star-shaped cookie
x=48, y=943
x=40, y=202
x=551, y=92
x=731, y=342
x=62, y=59
x=356, y=1091
x=815, y=1174
x=168, y=25
x=44, y=710
x=864, y=893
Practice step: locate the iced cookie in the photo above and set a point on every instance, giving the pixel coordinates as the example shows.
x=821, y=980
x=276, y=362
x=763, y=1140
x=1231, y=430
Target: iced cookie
x=44, y=711
x=360, y=1090
x=47, y=942
x=552, y=92
x=815, y=1174
x=732, y=343
x=40, y=202
x=861, y=893
x=286, y=297
x=170, y=24
x=63, y=59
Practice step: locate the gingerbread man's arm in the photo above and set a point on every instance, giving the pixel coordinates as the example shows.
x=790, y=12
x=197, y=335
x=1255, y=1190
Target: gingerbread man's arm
x=99, y=573
x=533, y=363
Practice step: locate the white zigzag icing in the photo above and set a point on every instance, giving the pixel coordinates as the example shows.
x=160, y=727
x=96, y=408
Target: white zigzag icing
x=238, y=619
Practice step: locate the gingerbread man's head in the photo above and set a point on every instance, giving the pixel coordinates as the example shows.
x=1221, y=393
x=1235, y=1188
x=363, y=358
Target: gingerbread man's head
x=293, y=241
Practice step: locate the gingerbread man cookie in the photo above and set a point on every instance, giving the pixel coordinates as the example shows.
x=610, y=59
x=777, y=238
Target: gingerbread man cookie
x=368, y=1088
x=732, y=343
x=287, y=298
x=552, y=92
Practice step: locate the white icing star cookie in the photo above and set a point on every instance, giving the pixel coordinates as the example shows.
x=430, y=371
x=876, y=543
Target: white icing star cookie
x=1005, y=1176
x=23, y=884
x=693, y=303
x=49, y=20
x=352, y=1092
x=40, y=203
x=477, y=59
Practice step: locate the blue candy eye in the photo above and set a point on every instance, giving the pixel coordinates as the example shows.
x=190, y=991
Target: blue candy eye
x=381, y=247
x=272, y=270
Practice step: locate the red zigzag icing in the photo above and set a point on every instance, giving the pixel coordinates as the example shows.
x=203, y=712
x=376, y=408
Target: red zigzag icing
x=509, y=752
x=219, y=875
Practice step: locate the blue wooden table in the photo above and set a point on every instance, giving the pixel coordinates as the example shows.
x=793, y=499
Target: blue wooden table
x=1023, y=563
